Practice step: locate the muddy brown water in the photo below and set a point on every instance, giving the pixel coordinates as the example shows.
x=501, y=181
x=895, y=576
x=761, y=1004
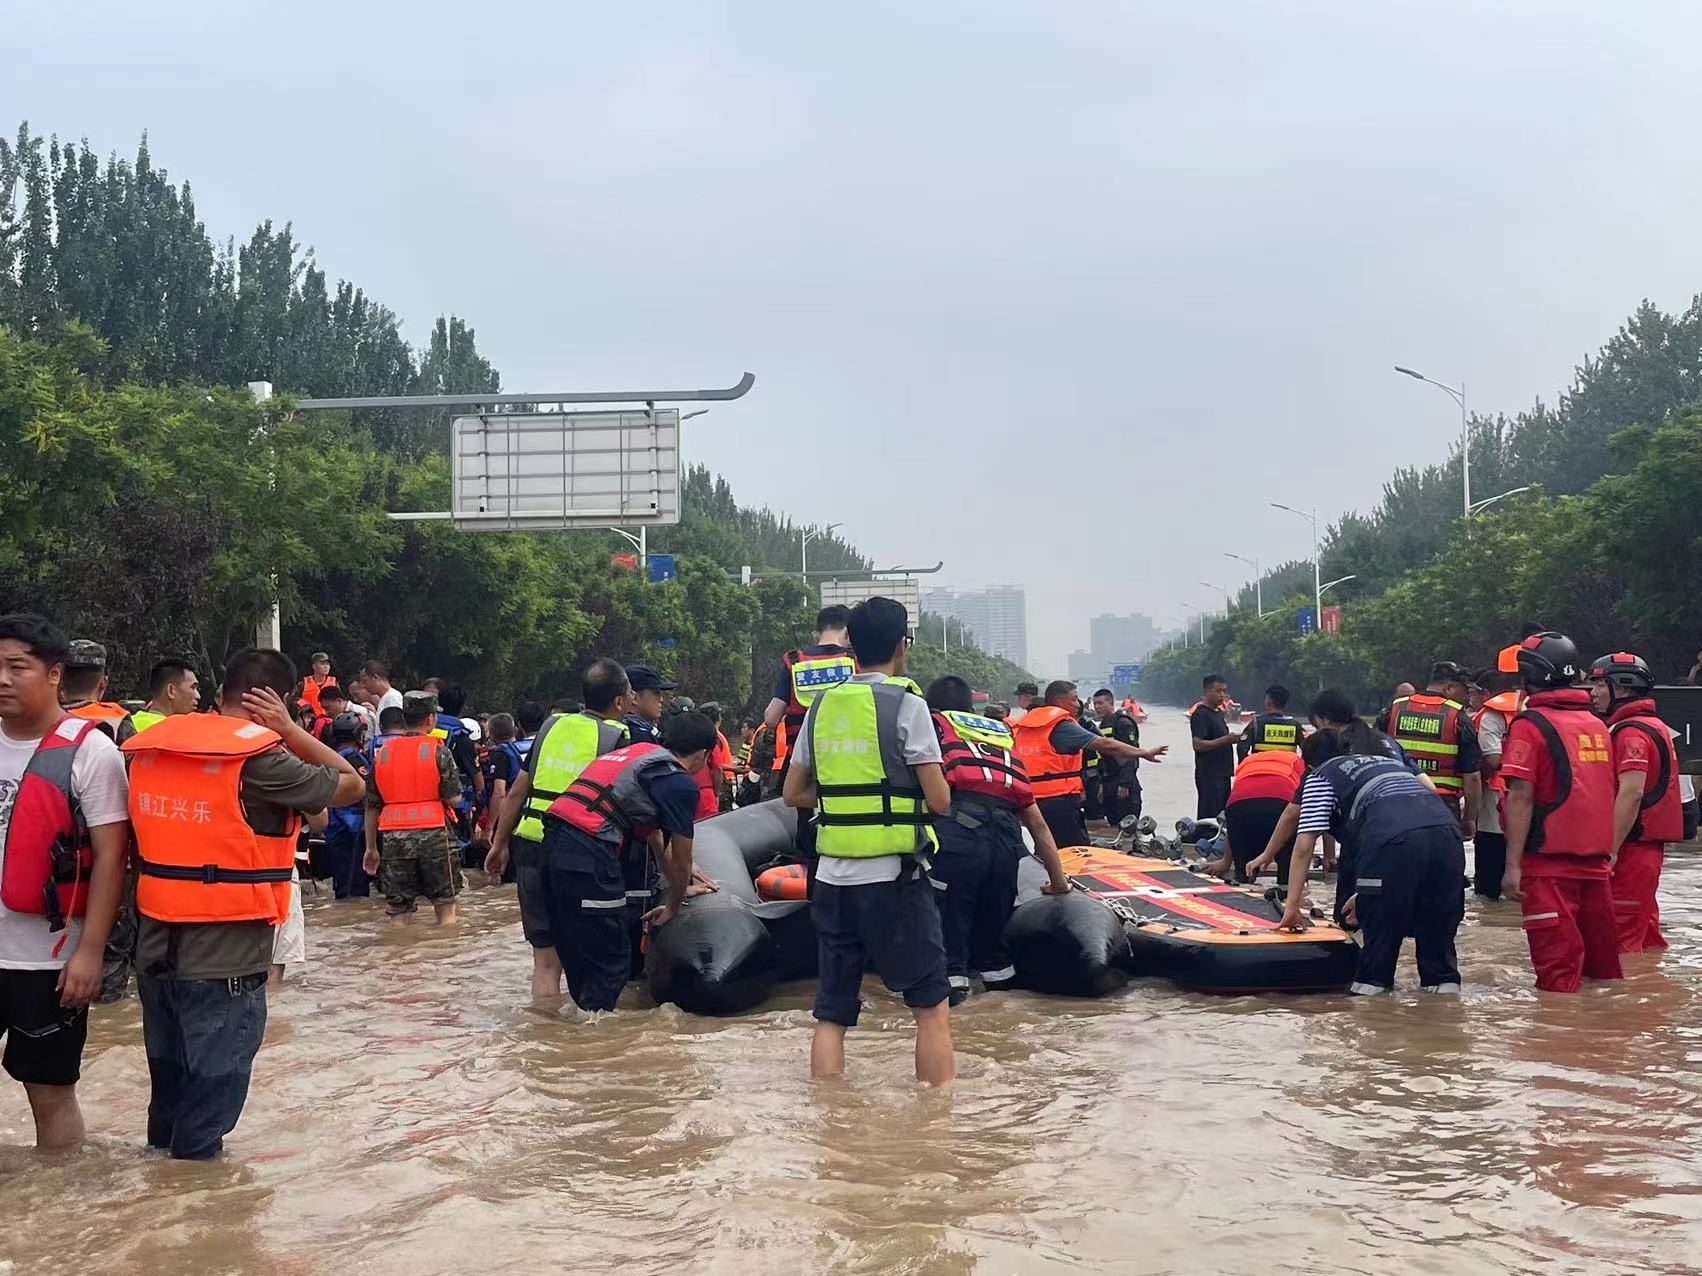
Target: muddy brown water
x=411, y=1115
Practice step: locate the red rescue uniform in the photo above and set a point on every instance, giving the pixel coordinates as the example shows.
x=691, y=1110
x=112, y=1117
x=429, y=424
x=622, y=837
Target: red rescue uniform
x=1642, y=744
x=1562, y=749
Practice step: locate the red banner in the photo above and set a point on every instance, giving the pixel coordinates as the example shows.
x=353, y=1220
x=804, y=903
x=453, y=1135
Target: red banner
x=1332, y=620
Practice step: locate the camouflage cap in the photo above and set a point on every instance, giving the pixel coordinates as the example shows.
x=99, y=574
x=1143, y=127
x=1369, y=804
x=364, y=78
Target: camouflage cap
x=85, y=653
x=417, y=704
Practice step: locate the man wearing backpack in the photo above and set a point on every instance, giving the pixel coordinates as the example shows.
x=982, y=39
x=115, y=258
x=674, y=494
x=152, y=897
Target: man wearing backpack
x=58, y=898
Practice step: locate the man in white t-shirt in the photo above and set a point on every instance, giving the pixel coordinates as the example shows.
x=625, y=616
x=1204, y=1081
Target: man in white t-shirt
x=49, y=976
x=376, y=675
x=868, y=762
x=1489, y=845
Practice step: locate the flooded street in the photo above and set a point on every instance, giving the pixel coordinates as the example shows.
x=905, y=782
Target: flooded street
x=411, y=1116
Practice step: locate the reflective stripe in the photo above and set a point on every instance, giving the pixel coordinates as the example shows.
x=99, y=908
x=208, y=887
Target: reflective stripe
x=958, y=981
x=1369, y=881
x=937, y=884
x=1541, y=917
x=1441, y=988
x=998, y=976
x=1627, y=903
x=1367, y=990
x=639, y=894
x=602, y=903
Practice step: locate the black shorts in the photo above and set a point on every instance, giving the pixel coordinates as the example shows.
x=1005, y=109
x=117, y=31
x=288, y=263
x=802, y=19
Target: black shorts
x=527, y=860
x=892, y=926
x=44, y=1041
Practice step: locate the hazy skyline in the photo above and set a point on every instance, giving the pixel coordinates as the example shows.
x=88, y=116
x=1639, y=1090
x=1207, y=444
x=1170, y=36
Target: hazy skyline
x=1087, y=278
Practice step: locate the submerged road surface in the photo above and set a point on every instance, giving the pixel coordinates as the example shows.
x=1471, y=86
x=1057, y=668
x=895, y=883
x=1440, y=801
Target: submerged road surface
x=411, y=1116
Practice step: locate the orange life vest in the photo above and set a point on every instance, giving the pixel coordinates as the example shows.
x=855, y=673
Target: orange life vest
x=1506, y=703
x=405, y=771
x=1052, y=774
x=311, y=689
x=197, y=858
x=103, y=713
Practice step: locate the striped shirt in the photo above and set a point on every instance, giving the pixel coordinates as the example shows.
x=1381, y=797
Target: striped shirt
x=1324, y=791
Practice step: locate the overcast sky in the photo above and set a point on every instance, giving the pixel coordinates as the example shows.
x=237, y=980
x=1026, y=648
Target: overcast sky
x=1043, y=289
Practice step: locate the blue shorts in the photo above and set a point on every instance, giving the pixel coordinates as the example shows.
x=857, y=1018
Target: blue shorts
x=891, y=926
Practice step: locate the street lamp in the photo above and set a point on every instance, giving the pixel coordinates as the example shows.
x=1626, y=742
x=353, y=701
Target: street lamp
x=1258, y=580
x=945, y=632
x=1486, y=502
x=1184, y=622
x=1312, y=518
x=1222, y=589
x=806, y=535
x=1331, y=584
x=1200, y=613
x=1458, y=396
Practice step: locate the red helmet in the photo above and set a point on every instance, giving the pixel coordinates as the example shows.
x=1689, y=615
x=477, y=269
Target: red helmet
x=1625, y=671
x=1548, y=661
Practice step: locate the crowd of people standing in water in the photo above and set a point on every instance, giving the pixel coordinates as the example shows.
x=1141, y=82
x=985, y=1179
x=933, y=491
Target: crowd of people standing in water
x=164, y=839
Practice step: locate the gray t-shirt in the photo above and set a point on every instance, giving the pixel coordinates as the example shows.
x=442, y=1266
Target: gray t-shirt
x=920, y=745
x=274, y=783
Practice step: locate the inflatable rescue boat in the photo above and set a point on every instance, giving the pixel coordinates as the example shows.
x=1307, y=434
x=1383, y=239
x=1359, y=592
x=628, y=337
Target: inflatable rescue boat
x=1134, y=916
x=724, y=952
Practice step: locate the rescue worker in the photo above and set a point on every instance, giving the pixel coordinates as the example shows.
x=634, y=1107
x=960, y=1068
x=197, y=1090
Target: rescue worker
x=1049, y=743
x=1092, y=799
x=63, y=812
x=1027, y=693
x=1264, y=785
x=803, y=675
x=411, y=794
x=1406, y=843
x=316, y=682
x=1214, y=761
x=636, y=793
x=980, y=842
x=345, y=825
x=1119, y=778
x=1559, y=819
x=1648, y=812
x=333, y=700
x=173, y=688
x=216, y=801
x=1435, y=731
x=82, y=686
x=807, y=672
x=1489, y=846
x=867, y=762
x=644, y=708
x=564, y=746
x=1272, y=728
x=1331, y=710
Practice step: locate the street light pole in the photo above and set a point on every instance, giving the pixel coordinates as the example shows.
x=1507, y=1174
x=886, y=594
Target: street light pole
x=1331, y=584
x=1222, y=589
x=1477, y=507
x=1258, y=580
x=1317, y=589
x=806, y=535
x=1458, y=395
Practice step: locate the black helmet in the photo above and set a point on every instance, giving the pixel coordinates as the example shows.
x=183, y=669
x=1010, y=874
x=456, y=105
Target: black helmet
x=347, y=726
x=1549, y=660
x=1625, y=671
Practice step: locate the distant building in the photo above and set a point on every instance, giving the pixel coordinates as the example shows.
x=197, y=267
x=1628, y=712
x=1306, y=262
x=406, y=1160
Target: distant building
x=1116, y=640
x=1122, y=640
x=997, y=618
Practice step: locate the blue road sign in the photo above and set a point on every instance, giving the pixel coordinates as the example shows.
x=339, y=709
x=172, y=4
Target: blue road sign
x=661, y=568
x=1125, y=675
x=1306, y=619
